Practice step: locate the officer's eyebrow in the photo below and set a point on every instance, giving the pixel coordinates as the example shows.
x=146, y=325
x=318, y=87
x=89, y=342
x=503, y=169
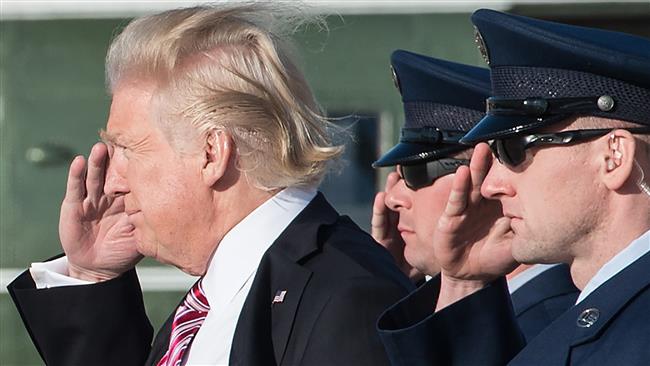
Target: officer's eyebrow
x=112, y=139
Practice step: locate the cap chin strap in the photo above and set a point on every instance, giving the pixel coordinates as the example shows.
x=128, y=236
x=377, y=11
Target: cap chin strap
x=539, y=107
x=643, y=186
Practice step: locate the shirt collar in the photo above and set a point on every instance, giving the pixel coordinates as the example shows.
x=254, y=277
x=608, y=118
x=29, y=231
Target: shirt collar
x=624, y=258
x=527, y=275
x=238, y=254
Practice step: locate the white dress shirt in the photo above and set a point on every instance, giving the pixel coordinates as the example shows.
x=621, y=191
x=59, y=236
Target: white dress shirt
x=232, y=269
x=527, y=275
x=635, y=250
x=229, y=276
x=53, y=274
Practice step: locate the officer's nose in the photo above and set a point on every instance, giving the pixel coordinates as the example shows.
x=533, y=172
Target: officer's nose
x=498, y=182
x=398, y=195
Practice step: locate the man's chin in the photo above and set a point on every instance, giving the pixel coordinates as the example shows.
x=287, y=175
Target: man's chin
x=521, y=250
x=527, y=255
x=420, y=263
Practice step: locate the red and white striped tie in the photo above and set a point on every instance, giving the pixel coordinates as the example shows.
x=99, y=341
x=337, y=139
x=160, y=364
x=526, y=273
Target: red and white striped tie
x=187, y=321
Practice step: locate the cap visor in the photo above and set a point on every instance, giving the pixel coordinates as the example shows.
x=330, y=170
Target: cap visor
x=409, y=153
x=499, y=126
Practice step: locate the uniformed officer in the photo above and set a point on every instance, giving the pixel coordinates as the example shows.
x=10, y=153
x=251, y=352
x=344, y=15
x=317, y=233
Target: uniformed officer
x=442, y=100
x=569, y=125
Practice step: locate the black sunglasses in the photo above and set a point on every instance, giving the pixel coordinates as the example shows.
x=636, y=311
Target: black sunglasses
x=512, y=151
x=424, y=174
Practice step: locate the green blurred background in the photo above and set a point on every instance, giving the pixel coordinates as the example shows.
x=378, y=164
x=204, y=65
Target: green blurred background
x=53, y=102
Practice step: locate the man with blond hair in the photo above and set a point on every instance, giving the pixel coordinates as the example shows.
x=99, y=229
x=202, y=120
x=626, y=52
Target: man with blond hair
x=212, y=154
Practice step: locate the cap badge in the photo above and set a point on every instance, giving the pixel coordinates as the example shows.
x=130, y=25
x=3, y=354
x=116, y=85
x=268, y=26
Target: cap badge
x=395, y=79
x=480, y=43
x=605, y=103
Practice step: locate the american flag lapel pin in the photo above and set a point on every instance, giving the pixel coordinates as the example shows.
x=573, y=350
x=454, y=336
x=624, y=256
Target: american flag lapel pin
x=279, y=297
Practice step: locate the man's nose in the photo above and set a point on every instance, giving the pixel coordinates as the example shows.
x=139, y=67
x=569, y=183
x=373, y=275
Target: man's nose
x=497, y=182
x=115, y=182
x=398, y=196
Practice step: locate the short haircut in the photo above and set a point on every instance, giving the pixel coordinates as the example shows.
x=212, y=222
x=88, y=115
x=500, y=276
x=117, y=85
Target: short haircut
x=587, y=122
x=230, y=68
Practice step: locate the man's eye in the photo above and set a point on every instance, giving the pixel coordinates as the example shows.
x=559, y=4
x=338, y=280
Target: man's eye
x=117, y=149
x=125, y=151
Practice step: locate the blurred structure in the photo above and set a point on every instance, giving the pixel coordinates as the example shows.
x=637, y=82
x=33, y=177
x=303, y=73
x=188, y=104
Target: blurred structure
x=53, y=102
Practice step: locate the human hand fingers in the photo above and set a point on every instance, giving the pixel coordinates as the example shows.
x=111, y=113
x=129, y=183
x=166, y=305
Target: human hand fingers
x=479, y=167
x=460, y=190
x=391, y=180
x=499, y=248
x=75, y=189
x=122, y=228
x=116, y=206
x=383, y=219
x=500, y=228
x=96, y=172
x=392, y=216
x=379, y=220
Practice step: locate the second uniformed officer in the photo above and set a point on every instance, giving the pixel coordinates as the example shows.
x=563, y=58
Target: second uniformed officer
x=568, y=126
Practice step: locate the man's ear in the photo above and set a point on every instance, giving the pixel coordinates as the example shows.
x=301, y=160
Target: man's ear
x=217, y=150
x=618, y=159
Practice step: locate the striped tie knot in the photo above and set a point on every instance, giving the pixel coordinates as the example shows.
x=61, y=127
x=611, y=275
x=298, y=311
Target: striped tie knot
x=187, y=321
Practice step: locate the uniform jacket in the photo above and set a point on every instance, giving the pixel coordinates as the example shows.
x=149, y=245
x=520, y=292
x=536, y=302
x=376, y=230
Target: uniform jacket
x=542, y=299
x=611, y=326
x=535, y=305
x=338, y=280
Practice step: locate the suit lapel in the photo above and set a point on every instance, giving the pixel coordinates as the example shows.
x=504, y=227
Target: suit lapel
x=264, y=326
x=161, y=342
x=292, y=279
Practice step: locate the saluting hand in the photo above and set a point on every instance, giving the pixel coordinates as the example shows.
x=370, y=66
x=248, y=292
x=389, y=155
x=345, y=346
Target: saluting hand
x=384, y=229
x=472, y=238
x=93, y=227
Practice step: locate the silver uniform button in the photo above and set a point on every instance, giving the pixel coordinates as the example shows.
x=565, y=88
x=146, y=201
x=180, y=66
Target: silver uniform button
x=588, y=317
x=605, y=103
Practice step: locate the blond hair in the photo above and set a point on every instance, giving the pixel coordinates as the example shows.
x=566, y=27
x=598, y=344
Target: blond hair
x=227, y=68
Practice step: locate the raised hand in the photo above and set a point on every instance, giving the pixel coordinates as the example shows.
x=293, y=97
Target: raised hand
x=93, y=227
x=472, y=239
x=384, y=229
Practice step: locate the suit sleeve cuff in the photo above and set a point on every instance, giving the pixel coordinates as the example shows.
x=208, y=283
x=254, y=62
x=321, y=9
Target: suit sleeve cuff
x=53, y=273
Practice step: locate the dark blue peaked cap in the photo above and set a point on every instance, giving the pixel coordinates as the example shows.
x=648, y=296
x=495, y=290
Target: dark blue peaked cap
x=544, y=72
x=442, y=101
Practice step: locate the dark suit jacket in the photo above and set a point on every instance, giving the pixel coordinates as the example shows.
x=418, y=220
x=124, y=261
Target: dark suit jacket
x=480, y=333
x=338, y=280
x=543, y=299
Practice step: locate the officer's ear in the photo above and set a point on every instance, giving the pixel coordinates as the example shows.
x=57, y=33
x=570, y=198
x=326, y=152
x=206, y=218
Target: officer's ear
x=618, y=159
x=218, y=151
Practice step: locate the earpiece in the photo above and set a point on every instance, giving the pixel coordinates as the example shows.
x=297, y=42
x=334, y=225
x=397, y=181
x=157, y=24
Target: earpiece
x=610, y=165
x=616, y=153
